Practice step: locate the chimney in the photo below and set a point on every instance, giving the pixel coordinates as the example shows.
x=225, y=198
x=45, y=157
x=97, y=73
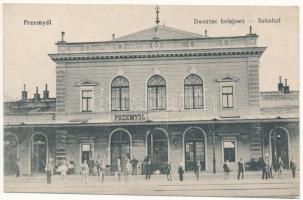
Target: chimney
x=286, y=87
x=113, y=36
x=62, y=36
x=205, y=33
x=280, y=85
x=250, y=30
x=24, y=93
x=36, y=95
x=45, y=93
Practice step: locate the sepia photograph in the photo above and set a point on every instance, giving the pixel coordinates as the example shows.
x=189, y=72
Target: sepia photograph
x=151, y=100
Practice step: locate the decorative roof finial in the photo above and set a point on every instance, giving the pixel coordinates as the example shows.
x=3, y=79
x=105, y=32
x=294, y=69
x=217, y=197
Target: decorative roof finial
x=157, y=12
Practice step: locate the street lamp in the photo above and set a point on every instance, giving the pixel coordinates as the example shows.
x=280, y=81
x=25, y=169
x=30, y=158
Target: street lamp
x=214, y=153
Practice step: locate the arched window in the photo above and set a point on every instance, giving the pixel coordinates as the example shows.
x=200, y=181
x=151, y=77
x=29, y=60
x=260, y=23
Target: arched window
x=156, y=87
x=120, y=94
x=193, y=92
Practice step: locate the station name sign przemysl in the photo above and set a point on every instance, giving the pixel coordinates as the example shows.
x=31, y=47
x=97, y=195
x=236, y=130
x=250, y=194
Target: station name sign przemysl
x=129, y=117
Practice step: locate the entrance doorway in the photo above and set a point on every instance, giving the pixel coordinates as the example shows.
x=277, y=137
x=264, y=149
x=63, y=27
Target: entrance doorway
x=157, y=149
x=39, y=153
x=119, y=149
x=279, y=146
x=10, y=154
x=86, y=152
x=194, y=144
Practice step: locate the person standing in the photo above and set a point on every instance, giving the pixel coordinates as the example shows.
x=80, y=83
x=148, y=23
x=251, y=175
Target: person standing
x=63, y=170
x=275, y=163
x=128, y=170
x=102, y=170
x=180, y=171
x=118, y=170
x=49, y=171
x=265, y=169
x=134, y=163
x=241, y=168
x=168, y=171
x=197, y=169
x=293, y=167
x=226, y=169
x=97, y=165
x=18, y=168
x=91, y=165
x=148, y=170
x=84, y=172
x=280, y=166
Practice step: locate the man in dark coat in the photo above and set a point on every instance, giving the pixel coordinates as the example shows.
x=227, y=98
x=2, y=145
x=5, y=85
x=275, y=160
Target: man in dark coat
x=180, y=171
x=168, y=171
x=148, y=170
x=134, y=163
x=241, y=168
x=91, y=165
x=293, y=167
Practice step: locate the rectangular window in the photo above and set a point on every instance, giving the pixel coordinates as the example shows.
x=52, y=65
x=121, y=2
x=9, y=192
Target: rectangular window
x=227, y=97
x=157, y=98
x=120, y=98
x=198, y=99
x=193, y=98
x=115, y=99
x=161, y=98
x=188, y=100
x=229, y=150
x=87, y=100
x=124, y=98
x=152, y=94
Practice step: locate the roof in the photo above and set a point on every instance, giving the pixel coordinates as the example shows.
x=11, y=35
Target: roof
x=164, y=33
x=279, y=102
x=30, y=106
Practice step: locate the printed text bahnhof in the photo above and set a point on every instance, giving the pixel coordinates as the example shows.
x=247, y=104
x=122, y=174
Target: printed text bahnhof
x=233, y=21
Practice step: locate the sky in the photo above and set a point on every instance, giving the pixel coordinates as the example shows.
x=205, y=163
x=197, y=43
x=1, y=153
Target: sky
x=26, y=48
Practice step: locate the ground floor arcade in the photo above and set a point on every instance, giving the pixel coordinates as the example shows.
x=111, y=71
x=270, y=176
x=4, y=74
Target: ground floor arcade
x=209, y=143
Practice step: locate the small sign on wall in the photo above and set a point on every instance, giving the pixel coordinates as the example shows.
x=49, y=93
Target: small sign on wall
x=85, y=147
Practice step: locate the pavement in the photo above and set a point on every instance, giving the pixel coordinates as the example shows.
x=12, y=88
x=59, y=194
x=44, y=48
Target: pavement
x=209, y=185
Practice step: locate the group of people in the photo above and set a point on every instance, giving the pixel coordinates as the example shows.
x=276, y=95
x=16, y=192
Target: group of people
x=118, y=170
x=93, y=167
x=227, y=169
x=149, y=170
x=86, y=169
x=130, y=168
x=267, y=168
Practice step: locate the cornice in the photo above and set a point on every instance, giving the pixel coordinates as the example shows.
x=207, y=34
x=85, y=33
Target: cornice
x=156, y=54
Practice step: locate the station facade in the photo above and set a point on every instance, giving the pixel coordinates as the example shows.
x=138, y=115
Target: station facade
x=165, y=93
